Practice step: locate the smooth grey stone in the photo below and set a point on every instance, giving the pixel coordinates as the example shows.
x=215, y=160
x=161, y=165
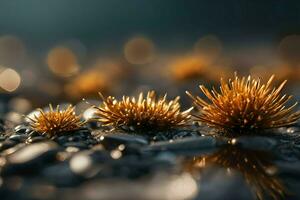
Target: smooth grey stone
x=259, y=143
x=184, y=134
x=18, y=138
x=61, y=175
x=166, y=156
x=79, y=145
x=204, y=143
x=291, y=169
x=62, y=139
x=80, y=135
x=13, y=149
x=112, y=141
x=36, y=139
x=30, y=158
x=22, y=129
x=7, y=144
x=34, y=134
x=2, y=138
x=75, y=138
x=291, y=130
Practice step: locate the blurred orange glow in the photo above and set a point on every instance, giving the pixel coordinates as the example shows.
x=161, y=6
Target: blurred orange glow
x=20, y=105
x=282, y=72
x=209, y=47
x=51, y=88
x=188, y=67
x=139, y=50
x=260, y=71
x=62, y=62
x=215, y=73
x=289, y=49
x=104, y=76
x=88, y=84
x=9, y=80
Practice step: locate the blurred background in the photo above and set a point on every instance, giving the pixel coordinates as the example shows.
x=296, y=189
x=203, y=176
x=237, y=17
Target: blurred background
x=61, y=51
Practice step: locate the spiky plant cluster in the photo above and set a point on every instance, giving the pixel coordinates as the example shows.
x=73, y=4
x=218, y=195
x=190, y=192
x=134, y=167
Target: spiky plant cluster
x=54, y=122
x=142, y=114
x=255, y=167
x=245, y=105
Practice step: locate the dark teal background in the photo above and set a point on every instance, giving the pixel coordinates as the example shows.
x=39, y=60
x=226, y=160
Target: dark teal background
x=102, y=22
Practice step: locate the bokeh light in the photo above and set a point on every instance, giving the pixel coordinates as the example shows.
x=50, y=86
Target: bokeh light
x=62, y=61
x=88, y=84
x=20, y=105
x=12, y=50
x=188, y=67
x=209, y=47
x=289, y=49
x=9, y=80
x=139, y=50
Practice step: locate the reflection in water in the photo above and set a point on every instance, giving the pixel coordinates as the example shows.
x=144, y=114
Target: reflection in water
x=255, y=166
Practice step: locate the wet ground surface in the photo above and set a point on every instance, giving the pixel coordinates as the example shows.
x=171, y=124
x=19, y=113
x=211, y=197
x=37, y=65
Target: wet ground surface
x=94, y=164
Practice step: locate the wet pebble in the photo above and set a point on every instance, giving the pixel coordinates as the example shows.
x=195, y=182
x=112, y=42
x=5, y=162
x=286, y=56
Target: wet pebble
x=2, y=138
x=30, y=158
x=173, y=135
x=255, y=142
x=291, y=169
x=22, y=129
x=183, y=134
x=34, y=134
x=7, y=144
x=80, y=138
x=61, y=175
x=18, y=138
x=293, y=130
x=79, y=145
x=112, y=141
x=199, y=144
x=36, y=139
x=2, y=122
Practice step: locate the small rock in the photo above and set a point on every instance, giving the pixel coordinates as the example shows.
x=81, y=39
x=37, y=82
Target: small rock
x=36, y=139
x=2, y=123
x=81, y=138
x=112, y=141
x=259, y=143
x=2, y=138
x=289, y=169
x=18, y=138
x=34, y=134
x=61, y=175
x=7, y=144
x=203, y=144
x=79, y=145
x=30, y=158
x=22, y=129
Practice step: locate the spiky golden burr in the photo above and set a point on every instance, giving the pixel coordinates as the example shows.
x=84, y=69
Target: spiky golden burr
x=54, y=122
x=245, y=105
x=142, y=114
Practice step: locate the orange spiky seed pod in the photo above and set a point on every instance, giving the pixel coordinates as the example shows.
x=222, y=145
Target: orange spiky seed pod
x=142, y=114
x=54, y=122
x=245, y=105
